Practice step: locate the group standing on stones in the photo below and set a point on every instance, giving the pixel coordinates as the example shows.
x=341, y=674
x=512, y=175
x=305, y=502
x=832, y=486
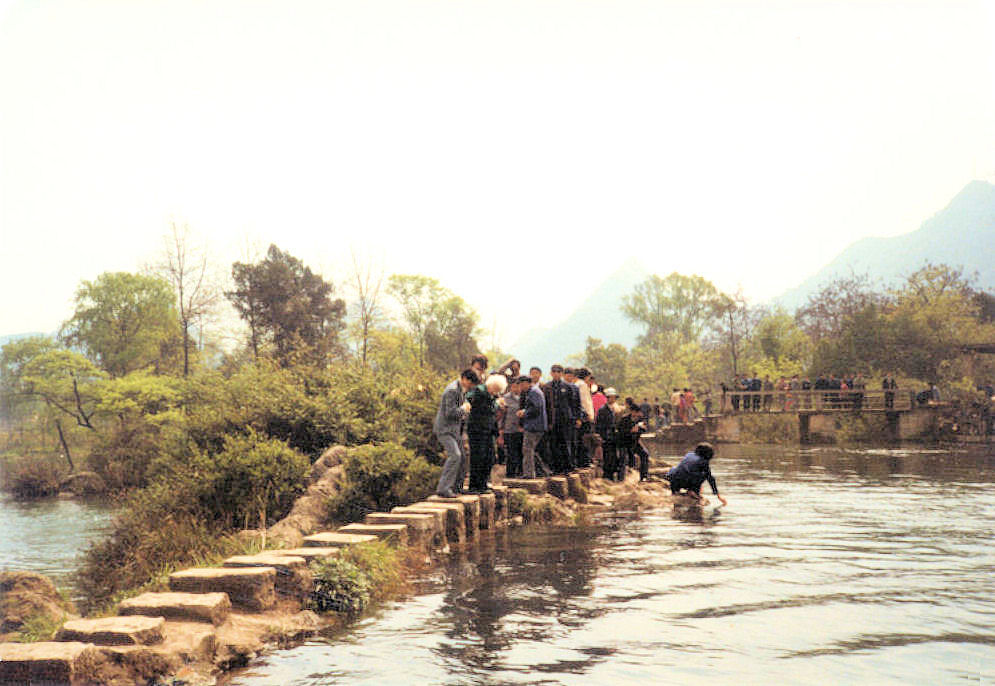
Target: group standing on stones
x=535, y=428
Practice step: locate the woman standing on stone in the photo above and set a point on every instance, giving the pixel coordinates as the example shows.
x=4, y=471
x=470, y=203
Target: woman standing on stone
x=481, y=407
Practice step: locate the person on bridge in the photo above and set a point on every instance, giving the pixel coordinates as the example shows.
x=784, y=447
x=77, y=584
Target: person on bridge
x=693, y=471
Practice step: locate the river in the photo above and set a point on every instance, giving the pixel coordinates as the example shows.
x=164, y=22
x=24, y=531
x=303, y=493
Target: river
x=47, y=535
x=830, y=566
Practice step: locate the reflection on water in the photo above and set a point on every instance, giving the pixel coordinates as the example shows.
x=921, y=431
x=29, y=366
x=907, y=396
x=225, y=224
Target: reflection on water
x=829, y=566
x=46, y=535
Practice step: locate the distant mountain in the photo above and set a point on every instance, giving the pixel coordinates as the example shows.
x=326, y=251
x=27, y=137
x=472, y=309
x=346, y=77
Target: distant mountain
x=961, y=235
x=600, y=316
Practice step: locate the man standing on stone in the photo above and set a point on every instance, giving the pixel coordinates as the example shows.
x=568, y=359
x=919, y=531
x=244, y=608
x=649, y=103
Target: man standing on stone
x=534, y=424
x=583, y=449
x=559, y=441
x=448, y=428
x=510, y=429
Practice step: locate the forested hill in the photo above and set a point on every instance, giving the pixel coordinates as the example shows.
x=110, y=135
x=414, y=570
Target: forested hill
x=600, y=316
x=961, y=235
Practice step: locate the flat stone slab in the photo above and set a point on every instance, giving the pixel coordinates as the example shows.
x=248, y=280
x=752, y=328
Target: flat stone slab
x=557, y=486
x=423, y=529
x=533, y=486
x=455, y=517
x=266, y=559
x=114, y=631
x=471, y=511
x=311, y=553
x=398, y=533
x=194, y=607
x=46, y=662
x=252, y=588
x=336, y=539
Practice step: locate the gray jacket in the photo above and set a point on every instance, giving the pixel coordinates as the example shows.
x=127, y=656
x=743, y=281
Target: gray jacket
x=450, y=417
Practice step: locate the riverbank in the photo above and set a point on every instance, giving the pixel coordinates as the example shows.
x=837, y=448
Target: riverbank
x=213, y=619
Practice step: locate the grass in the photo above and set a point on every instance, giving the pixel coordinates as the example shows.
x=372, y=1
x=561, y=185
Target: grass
x=39, y=628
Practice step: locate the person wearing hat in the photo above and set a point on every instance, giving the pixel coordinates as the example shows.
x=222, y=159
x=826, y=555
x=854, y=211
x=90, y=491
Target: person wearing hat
x=693, y=471
x=604, y=424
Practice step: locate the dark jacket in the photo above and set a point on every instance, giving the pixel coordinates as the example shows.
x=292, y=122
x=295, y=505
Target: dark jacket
x=534, y=419
x=561, y=399
x=691, y=472
x=626, y=437
x=483, y=411
x=604, y=424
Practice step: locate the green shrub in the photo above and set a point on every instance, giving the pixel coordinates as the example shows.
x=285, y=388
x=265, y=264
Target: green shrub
x=123, y=454
x=379, y=478
x=32, y=478
x=253, y=480
x=339, y=586
x=361, y=575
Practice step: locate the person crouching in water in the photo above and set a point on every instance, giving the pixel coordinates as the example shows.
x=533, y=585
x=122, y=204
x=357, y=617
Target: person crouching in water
x=630, y=428
x=482, y=403
x=693, y=471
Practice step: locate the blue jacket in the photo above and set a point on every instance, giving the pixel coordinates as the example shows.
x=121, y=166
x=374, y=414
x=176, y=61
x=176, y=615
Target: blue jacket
x=691, y=473
x=535, y=419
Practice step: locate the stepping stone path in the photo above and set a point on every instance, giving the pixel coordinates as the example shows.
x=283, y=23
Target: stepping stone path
x=182, y=622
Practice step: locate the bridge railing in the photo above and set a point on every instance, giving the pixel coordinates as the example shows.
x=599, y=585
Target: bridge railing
x=734, y=402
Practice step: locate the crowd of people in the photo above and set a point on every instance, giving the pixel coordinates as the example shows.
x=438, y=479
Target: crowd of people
x=541, y=428
x=764, y=395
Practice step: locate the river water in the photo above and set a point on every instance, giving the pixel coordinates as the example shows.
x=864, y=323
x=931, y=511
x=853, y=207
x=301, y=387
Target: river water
x=830, y=566
x=47, y=535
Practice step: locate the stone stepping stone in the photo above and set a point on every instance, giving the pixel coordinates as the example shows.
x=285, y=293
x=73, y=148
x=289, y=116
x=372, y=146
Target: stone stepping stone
x=194, y=607
x=423, y=529
x=312, y=553
x=292, y=575
x=471, y=511
x=454, y=516
x=182, y=642
x=113, y=631
x=500, y=502
x=46, y=662
x=396, y=533
x=533, y=486
x=557, y=486
x=488, y=507
x=586, y=476
x=251, y=588
x=266, y=559
x=336, y=539
x=576, y=489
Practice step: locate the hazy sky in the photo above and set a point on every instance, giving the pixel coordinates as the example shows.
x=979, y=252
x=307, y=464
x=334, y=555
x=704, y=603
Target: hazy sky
x=747, y=142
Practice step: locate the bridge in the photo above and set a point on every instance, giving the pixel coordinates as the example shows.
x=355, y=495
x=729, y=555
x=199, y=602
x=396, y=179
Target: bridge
x=816, y=401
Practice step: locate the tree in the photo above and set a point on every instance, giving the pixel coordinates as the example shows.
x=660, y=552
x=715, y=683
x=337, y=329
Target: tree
x=827, y=312
x=287, y=305
x=65, y=382
x=684, y=304
x=442, y=324
x=185, y=267
x=366, y=284
x=123, y=321
x=734, y=319
x=606, y=361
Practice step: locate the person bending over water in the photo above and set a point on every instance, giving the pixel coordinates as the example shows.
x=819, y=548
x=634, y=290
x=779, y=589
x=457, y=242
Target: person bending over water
x=693, y=471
